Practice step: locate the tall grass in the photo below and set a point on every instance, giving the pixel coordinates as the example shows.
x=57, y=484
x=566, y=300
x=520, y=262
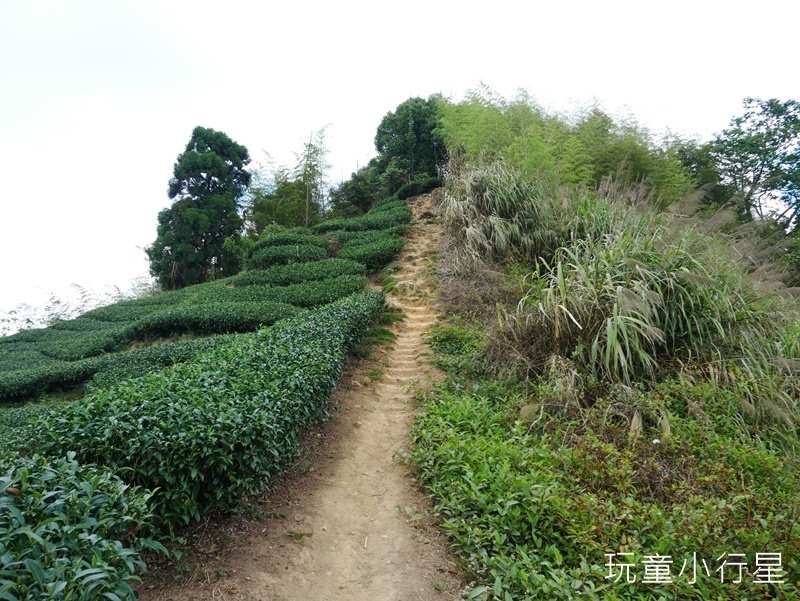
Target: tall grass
x=492, y=211
x=627, y=293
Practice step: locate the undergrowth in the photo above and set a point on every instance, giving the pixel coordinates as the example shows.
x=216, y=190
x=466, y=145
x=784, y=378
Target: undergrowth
x=535, y=500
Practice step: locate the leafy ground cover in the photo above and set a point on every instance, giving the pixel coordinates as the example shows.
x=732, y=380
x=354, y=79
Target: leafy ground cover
x=534, y=504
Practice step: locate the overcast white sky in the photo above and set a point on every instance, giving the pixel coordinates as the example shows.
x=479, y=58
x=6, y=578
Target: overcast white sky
x=98, y=97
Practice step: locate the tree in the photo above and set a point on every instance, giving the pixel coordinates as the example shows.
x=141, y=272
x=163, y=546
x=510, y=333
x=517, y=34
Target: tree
x=408, y=142
x=282, y=201
x=311, y=170
x=356, y=195
x=758, y=156
x=209, y=178
x=290, y=197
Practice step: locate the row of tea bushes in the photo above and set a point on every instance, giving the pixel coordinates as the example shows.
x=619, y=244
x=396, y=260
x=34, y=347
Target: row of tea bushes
x=205, y=432
x=69, y=531
x=117, y=367
x=304, y=294
x=280, y=237
x=376, y=238
x=280, y=255
x=297, y=273
x=36, y=361
x=215, y=317
x=345, y=236
x=385, y=214
x=207, y=318
x=65, y=345
x=375, y=253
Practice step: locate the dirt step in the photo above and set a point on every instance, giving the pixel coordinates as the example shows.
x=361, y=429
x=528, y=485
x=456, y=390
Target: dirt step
x=402, y=371
x=411, y=363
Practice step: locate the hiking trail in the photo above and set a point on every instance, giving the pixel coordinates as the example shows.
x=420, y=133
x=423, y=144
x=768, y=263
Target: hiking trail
x=348, y=521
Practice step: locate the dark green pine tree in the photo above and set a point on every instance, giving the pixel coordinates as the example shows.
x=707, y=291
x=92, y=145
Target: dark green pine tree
x=209, y=179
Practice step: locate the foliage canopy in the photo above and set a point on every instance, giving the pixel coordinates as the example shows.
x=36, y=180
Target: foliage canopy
x=759, y=157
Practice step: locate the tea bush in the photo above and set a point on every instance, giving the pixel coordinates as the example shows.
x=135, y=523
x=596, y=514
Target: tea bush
x=21, y=356
x=312, y=294
x=297, y=273
x=376, y=254
x=373, y=220
x=268, y=256
x=198, y=318
x=304, y=294
x=207, y=431
x=213, y=318
x=66, y=345
x=126, y=312
x=345, y=236
x=24, y=383
x=69, y=531
x=287, y=239
x=418, y=186
x=117, y=367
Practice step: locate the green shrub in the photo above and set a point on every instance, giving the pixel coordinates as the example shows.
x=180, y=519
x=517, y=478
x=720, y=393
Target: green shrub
x=288, y=239
x=268, y=256
x=374, y=255
x=213, y=318
x=66, y=345
x=207, y=431
x=69, y=531
x=379, y=220
x=390, y=203
x=126, y=312
x=25, y=383
x=297, y=273
x=418, y=186
x=21, y=356
x=82, y=324
x=304, y=294
x=348, y=237
x=313, y=294
x=133, y=364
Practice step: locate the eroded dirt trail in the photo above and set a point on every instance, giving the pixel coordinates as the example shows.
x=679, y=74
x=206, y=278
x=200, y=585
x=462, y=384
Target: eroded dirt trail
x=354, y=525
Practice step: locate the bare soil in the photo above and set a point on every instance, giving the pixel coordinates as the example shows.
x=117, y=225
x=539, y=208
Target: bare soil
x=348, y=521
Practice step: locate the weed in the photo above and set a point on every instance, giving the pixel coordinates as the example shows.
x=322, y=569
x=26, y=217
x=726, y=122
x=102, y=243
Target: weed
x=391, y=316
x=298, y=536
x=375, y=374
x=380, y=336
x=252, y=510
x=413, y=516
x=440, y=585
x=389, y=283
x=361, y=351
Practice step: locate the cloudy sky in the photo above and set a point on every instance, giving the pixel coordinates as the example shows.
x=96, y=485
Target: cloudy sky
x=97, y=98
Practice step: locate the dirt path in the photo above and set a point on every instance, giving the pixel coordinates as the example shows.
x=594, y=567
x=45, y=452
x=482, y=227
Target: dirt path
x=353, y=524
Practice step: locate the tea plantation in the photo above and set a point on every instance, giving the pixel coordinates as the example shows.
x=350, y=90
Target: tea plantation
x=165, y=433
